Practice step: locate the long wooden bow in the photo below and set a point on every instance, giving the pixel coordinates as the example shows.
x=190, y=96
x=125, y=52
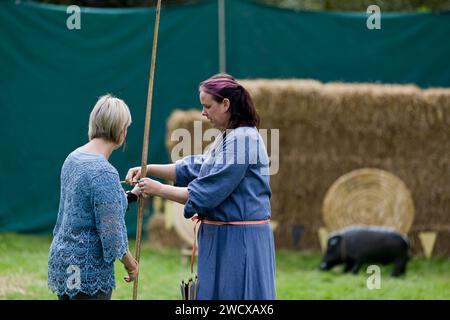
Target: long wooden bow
x=145, y=143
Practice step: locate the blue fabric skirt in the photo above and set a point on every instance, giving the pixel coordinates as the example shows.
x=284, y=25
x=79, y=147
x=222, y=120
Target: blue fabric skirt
x=236, y=262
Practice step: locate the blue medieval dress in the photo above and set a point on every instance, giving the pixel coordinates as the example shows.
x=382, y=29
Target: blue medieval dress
x=231, y=183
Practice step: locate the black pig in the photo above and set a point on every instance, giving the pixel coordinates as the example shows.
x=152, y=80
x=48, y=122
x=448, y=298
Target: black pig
x=355, y=246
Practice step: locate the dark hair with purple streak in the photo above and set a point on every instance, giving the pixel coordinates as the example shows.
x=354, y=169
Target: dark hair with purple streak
x=242, y=109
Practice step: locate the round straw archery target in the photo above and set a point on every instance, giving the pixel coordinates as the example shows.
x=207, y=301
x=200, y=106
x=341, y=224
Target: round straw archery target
x=368, y=197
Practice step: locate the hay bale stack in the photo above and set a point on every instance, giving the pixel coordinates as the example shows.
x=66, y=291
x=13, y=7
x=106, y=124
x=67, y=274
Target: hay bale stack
x=180, y=119
x=328, y=130
x=160, y=236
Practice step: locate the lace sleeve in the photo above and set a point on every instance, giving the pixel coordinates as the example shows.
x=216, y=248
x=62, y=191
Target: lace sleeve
x=109, y=208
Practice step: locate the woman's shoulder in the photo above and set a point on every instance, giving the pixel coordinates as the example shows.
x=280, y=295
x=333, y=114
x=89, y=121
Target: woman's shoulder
x=93, y=164
x=251, y=133
x=246, y=129
x=104, y=170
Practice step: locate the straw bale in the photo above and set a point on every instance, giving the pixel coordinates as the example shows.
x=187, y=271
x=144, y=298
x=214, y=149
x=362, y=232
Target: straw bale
x=330, y=129
x=180, y=119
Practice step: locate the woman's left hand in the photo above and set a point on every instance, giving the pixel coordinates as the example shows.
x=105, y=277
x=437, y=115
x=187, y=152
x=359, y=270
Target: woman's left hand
x=149, y=187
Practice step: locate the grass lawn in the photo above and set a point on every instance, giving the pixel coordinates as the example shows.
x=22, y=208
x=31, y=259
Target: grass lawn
x=23, y=275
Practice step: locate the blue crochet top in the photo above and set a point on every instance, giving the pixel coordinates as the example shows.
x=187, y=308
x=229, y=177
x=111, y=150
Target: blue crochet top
x=90, y=231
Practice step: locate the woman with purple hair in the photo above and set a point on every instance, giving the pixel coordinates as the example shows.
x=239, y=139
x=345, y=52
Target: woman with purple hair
x=228, y=188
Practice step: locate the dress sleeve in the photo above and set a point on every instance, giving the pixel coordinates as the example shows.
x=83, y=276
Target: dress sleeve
x=109, y=212
x=187, y=169
x=229, y=167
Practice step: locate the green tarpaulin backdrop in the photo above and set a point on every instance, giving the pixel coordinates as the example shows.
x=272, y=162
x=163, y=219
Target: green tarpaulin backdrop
x=52, y=76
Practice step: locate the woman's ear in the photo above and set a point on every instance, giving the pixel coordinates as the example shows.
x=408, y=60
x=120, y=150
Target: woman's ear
x=226, y=104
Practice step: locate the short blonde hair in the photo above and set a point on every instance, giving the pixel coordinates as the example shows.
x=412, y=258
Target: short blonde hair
x=108, y=118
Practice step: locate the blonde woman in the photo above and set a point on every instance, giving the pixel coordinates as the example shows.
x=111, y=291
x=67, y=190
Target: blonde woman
x=90, y=232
